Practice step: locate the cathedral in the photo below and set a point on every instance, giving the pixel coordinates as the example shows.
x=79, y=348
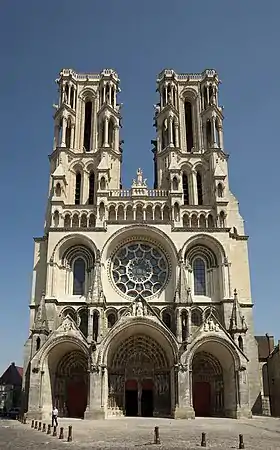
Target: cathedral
x=141, y=302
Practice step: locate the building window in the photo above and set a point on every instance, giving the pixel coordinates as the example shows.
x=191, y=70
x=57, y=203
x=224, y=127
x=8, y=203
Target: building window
x=38, y=344
x=78, y=189
x=199, y=274
x=83, y=326
x=79, y=276
x=166, y=318
x=189, y=126
x=91, y=189
x=199, y=188
x=87, y=127
x=240, y=343
x=111, y=320
x=186, y=189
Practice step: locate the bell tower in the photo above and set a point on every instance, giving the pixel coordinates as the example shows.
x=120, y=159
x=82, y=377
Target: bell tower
x=86, y=157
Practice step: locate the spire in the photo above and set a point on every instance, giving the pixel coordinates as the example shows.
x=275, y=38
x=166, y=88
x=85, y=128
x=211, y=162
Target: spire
x=96, y=294
x=183, y=291
x=237, y=321
x=41, y=322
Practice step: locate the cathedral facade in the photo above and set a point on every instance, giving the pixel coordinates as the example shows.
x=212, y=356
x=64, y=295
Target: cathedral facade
x=141, y=301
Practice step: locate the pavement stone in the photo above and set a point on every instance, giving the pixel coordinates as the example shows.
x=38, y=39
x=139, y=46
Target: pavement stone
x=137, y=433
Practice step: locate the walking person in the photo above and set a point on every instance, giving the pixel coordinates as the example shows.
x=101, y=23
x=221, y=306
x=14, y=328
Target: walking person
x=54, y=416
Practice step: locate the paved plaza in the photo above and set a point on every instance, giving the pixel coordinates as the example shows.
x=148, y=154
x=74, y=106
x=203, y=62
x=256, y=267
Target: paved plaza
x=133, y=433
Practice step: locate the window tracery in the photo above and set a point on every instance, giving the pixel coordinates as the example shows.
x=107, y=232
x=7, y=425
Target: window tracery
x=139, y=268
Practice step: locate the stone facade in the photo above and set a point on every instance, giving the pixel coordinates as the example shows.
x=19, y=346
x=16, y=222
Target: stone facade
x=141, y=301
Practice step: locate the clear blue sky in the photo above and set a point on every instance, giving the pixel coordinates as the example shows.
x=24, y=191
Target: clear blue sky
x=238, y=38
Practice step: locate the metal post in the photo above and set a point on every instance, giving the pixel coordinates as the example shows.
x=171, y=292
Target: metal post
x=203, y=440
x=49, y=429
x=156, y=436
x=54, y=431
x=69, y=439
x=44, y=428
x=61, y=434
x=241, y=441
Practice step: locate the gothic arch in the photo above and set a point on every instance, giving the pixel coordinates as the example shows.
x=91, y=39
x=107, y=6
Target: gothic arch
x=72, y=240
x=87, y=94
x=207, y=241
x=134, y=326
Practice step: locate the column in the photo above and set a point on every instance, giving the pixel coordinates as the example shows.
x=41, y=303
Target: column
x=194, y=188
x=96, y=379
x=90, y=325
x=184, y=409
x=106, y=123
x=176, y=143
x=110, y=94
x=226, y=277
x=221, y=137
x=56, y=142
x=93, y=141
x=179, y=325
x=214, y=139
x=63, y=136
x=170, y=131
x=116, y=138
x=72, y=135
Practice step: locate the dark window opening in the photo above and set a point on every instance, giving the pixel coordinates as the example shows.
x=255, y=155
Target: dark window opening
x=78, y=189
x=87, y=127
x=84, y=323
x=111, y=320
x=91, y=189
x=79, y=277
x=166, y=317
x=95, y=326
x=72, y=97
x=199, y=277
x=208, y=133
x=38, y=343
x=186, y=189
x=240, y=343
x=68, y=135
x=189, y=125
x=199, y=188
x=184, y=319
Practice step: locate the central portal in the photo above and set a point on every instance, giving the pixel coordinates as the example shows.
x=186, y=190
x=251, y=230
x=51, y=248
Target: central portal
x=139, y=379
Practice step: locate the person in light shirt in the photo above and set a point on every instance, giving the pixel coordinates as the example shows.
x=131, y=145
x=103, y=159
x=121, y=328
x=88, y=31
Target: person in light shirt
x=54, y=416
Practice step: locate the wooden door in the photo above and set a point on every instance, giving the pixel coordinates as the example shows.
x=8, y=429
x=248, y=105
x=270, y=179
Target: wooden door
x=76, y=398
x=202, y=398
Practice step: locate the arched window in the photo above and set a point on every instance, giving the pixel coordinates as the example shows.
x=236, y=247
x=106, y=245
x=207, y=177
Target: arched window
x=222, y=219
x=67, y=221
x=66, y=95
x=111, y=320
x=78, y=189
x=56, y=219
x=199, y=273
x=176, y=212
x=175, y=184
x=83, y=325
x=199, y=188
x=184, y=321
x=79, y=276
x=208, y=133
x=38, y=344
x=91, y=189
x=210, y=221
x=92, y=221
x=186, y=189
x=87, y=125
x=84, y=221
x=166, y=318
x=102, y=183
x=68, y=134
x=220, y=190
x=164, y=134
x=72, y=94
x=186, y=220
x=189, y=125
x=95, y=326
x=58, y=190
x=111, y=133
x=196, y=318
x=240, y=343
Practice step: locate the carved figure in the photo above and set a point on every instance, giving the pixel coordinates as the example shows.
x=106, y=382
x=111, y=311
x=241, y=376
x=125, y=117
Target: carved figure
x=211, y=325
x=206, y=326
x=67, y=324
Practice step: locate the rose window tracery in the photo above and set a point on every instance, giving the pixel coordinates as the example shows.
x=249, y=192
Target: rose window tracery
x=139, y=268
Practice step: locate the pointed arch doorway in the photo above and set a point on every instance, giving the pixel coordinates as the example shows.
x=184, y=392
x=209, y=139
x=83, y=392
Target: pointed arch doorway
x=139, y=378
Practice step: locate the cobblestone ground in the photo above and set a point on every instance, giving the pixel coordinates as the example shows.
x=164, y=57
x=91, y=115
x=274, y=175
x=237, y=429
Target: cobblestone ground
x=131, y=433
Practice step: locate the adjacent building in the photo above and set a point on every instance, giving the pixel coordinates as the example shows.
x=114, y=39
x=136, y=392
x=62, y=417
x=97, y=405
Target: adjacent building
x=141, y=302
x=10, y=388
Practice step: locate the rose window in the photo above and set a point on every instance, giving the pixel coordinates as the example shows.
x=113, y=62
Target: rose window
x=139, y=268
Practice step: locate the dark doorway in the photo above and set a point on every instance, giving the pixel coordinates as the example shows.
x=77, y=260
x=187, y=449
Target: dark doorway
x=147, y=403
x=131, y=403
x=202, y=399
x=76, y=398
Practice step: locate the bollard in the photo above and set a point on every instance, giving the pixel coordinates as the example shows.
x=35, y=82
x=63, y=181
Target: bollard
x=69, y=439
x=61, y=434
x=49, y=429
x=36, y=425
x=156, y=436
x=40, y=426
x=24, y=420
x=203, y=440
x=32, y=423
x=241, y=441
x=54, y=431
x=44, y=428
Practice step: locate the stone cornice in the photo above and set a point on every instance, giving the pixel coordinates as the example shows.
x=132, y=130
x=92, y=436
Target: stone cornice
x=210, y=230
x=40, y=239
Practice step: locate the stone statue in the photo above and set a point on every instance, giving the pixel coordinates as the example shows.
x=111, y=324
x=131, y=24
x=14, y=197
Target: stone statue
x=67, y=324
x=211, y=325
x=206, y=326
